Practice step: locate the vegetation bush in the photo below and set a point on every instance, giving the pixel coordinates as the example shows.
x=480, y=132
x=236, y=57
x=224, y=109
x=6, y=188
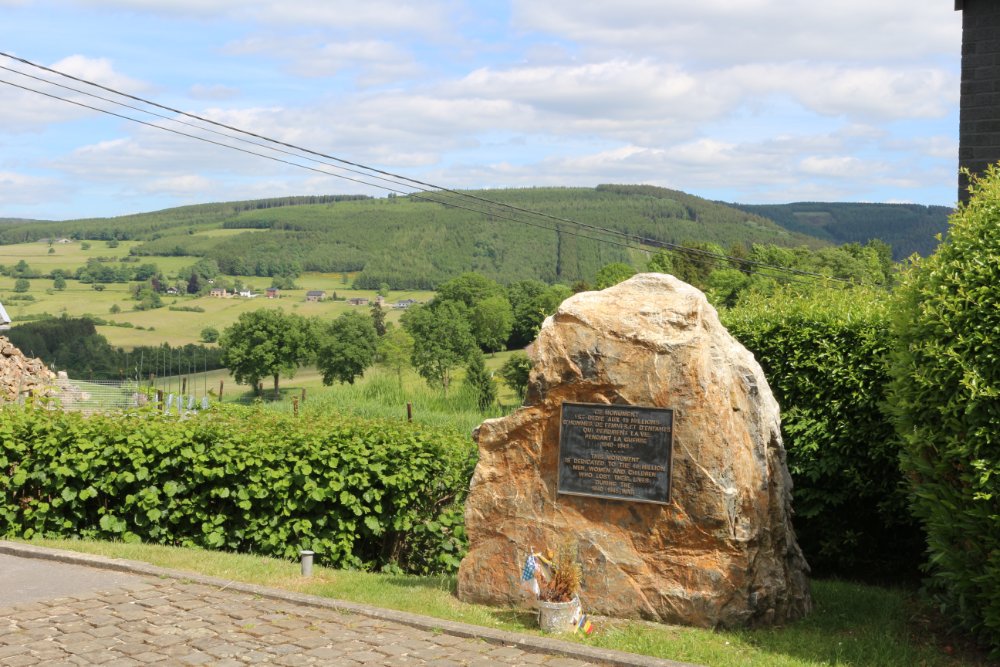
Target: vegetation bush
x=73, y=345
x=946, y=396
x=360, y=493
x=826, y=358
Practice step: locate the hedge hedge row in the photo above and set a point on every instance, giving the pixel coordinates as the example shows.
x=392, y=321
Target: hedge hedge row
x=947, y=397
x=826, y=358
x=360, y=493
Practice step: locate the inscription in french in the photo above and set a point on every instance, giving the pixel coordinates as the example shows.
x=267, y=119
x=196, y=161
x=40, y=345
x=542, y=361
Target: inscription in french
x=616, y=451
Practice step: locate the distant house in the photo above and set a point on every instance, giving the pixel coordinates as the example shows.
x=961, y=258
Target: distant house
x=219, y=292
x=404, y=304
x=172, y=290
x=380, y=300
x=358, y=301
x=271, y=293
x=4, y=319
x=315, y=295
x=247, y=294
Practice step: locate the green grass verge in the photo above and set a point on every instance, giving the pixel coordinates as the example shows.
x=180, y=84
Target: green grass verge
x=852, y=624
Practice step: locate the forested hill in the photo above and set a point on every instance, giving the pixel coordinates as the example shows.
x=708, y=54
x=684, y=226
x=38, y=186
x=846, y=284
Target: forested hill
x=908, y=228
x=409, y=242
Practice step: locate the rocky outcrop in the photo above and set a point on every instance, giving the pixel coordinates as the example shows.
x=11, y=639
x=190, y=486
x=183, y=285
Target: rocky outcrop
x=722, y=552
x=21, y=375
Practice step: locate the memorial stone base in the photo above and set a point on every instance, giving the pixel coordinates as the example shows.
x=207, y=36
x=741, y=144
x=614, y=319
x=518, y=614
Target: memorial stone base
x=651, y=439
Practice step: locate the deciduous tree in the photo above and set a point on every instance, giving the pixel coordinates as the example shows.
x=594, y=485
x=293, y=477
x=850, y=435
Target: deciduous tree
x=442, y=340
x=266, y=342
x=347, y=347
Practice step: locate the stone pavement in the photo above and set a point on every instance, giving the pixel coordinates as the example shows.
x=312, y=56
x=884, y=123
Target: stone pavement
x=54, y=611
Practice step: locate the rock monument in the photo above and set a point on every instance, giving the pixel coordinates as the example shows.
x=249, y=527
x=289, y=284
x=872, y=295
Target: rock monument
x=651, y=438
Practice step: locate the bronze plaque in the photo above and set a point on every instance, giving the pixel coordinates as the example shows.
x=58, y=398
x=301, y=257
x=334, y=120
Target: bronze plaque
x=621, y=452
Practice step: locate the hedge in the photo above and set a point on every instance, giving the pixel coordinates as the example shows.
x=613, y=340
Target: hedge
x=826, y=358
x=360, y=493
x=946, y=394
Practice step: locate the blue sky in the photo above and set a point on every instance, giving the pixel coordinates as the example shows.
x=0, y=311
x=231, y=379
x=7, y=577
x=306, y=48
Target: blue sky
x=755, y=101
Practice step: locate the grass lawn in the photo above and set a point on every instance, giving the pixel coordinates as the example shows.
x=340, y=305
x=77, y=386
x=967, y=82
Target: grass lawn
x=852, y=624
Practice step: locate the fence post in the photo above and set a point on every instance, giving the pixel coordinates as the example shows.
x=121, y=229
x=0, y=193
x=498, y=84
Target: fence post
x=159, y=399
x=303, y=394
x=220, y=391
x=409, y=412
x=295, y=405
x=184, y=386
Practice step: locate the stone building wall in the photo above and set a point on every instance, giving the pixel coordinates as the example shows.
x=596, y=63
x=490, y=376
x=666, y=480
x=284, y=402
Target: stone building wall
x=979, y=125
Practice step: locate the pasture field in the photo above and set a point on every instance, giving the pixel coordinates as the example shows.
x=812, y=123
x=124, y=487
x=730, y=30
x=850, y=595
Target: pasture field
x=152, y=327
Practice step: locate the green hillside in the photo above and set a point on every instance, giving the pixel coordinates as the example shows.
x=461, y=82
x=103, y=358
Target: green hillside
x=411, y=243
x=908, y=228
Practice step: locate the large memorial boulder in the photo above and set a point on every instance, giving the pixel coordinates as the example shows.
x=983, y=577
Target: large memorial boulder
x=720, y=549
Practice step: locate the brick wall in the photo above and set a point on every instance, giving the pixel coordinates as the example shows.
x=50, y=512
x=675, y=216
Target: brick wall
x=979, y=125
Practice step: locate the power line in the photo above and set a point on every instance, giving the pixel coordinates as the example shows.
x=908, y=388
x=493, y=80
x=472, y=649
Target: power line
x=695, y=254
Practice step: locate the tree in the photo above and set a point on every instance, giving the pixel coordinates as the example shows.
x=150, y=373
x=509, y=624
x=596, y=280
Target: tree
x=347, y=347
x=492, y=321
x=59, y=282
x=266, y=342
x=193, y=284
x=383, y=290
x=22, y=285
x=395, y=349
x=442, y=340
x=515, y=372
x=661, y=262
x=284, y=282
x=695, y=267
x=209, y=335
x=469, y=289
x=532, y=301
x=378, y=318
x=480, y=381
x=611, y=274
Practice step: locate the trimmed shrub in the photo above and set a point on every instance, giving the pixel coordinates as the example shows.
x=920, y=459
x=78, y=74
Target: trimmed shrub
x=360, y=493
x=946, y=397
x=826, y=358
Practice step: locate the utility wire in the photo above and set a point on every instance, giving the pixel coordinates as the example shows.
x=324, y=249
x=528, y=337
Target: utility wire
x=389, y=177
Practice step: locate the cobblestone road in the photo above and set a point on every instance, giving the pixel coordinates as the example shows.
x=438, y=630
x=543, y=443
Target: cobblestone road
x=145, y=620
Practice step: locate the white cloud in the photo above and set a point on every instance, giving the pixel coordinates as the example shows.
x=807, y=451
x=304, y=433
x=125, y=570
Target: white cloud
x=375, y=61
x=740, y=31
x=23, y=110
x=856, y=92
x=839, y=166
x=430, y=16
x=17, y=188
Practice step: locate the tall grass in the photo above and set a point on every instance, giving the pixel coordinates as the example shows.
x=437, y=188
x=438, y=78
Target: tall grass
x=380, y=394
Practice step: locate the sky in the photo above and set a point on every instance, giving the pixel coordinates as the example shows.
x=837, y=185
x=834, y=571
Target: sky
x=750, y=101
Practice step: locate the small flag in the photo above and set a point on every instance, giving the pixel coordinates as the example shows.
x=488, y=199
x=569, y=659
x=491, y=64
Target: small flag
x=529, y=581
x=530, y=565
x=583, y=625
